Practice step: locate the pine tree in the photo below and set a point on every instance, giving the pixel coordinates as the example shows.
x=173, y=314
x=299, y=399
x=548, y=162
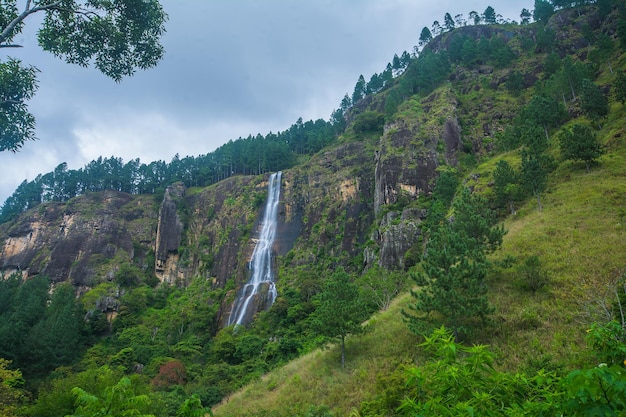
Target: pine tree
x=506, y=185
x=619, y=88
x=580, y=143
x=340, y=311
x=452, y=279
x=425, y=36
x=593, y=102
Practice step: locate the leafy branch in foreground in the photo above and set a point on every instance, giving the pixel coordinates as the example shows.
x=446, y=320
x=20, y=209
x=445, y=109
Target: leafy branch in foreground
x=115, y=37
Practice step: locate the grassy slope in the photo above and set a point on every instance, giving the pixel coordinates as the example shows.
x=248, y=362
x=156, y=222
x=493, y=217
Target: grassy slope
x=317, y=378
x=580, y=238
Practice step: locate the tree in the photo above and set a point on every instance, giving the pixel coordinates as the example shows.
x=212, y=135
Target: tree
x=506, y=185
x=489, y=16
x=515, y=83
x=551, y=65
x=525, y=16
x=580, y=143
x=359, y=90
x=340, y=312
x=425, y=36
x=534, y=277
x=619, y=87
x=545, y=112
x=452, y=277
x=11, y=393
x=116, y=37
x=542, y=11
x=593, y=102
x=380, y=286
x=436, y=28
x=448, y=22
x=534, y=172
x=475, y=17
x=603, y=51
x=17, y=85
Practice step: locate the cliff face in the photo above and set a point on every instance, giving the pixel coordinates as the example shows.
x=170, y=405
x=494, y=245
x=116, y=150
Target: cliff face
x=353, y=201
x=169, y=233
x=81, y=241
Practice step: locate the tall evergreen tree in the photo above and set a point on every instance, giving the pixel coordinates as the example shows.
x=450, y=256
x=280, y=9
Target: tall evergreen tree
x=359, y=90
x=534, y=172
x=489, y=16
x=448, y=22
x=506, y=185
x=425, y=36
x=593, y=102
x=452, y=277
x=340, y=312
x=619, y=87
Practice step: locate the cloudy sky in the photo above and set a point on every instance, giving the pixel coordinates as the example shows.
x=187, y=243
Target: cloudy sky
x=232, y=68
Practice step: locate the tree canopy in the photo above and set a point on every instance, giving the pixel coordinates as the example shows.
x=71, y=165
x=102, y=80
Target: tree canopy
x=116, y=37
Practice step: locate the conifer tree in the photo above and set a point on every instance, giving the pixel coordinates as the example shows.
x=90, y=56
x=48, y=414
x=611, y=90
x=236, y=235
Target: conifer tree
x=340, y=311
x=593, y=102
x=506, y=185
x=425, y=36
x=619, y=87
x=580, y=143
x=452, y=277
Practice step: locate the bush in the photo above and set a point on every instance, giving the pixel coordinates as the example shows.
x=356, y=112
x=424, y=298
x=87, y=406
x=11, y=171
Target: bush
x=369, y=122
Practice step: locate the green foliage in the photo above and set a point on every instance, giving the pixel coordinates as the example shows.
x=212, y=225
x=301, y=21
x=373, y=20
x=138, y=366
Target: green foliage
x=543, y=111
x=600, y=391
x=121, y=399
x=619, y=87
x=192, y=407
x=533, y=276
x=17, y=85
x=11, y=392
x=542, y=11
x=534, y=172
x=425, y=36
x=580, y=143
x=462, y=381
x=515, y=83
x=116, y=38
x=593, y=102
x=506, y=185
x=340, y=311
x=369, y=122
x=380, y=286
x=452, y=281
x=608, y=342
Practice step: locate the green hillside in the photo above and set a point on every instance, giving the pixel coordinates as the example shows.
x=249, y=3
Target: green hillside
x=398, y=205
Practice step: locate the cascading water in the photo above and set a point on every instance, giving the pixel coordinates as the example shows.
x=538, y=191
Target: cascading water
x=261, y=261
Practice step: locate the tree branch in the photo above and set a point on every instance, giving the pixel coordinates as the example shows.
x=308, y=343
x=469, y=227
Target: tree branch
x=6, y=32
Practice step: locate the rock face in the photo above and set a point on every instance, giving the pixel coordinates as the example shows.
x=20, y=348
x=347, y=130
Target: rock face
x=169, y=233
x=355, y=201
x=77, y=241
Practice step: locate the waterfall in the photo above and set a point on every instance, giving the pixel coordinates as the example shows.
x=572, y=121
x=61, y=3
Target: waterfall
x=261, y=261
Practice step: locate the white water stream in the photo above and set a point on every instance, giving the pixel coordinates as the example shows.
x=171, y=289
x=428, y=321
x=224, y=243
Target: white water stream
x=261, y=261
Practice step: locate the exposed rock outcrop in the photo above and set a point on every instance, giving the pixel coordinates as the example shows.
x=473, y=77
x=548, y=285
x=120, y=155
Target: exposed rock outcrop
x=77, y=241
x=169, y=233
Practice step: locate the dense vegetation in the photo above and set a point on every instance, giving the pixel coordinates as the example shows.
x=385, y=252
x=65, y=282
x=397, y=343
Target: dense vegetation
x=498, y=235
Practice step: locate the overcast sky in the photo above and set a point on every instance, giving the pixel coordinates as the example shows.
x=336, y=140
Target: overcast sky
x=231, y=68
